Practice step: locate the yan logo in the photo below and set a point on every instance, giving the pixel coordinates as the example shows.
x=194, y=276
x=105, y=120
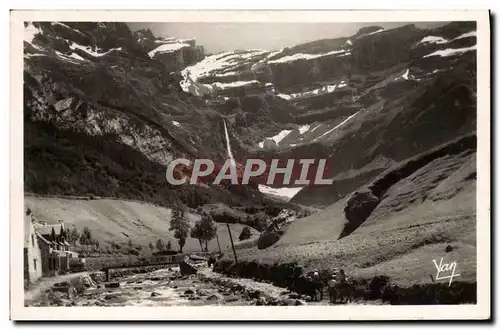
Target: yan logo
x=445, y=271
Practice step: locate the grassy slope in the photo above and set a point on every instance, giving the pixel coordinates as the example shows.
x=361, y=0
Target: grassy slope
x=416, y=219
x=121, y=220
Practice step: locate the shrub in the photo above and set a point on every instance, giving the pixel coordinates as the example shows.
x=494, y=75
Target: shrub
x=134, y=252
x=245, y=234
x=377, y=285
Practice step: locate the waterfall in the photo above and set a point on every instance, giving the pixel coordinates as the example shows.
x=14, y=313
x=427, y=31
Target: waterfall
x=228, y=146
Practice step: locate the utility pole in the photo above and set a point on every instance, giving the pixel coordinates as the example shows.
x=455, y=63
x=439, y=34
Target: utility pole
x=231, y=238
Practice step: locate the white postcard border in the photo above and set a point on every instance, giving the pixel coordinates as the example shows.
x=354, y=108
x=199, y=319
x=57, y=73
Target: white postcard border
x=352, y=312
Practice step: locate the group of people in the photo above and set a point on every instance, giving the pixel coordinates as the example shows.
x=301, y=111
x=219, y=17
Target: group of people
x=313, y=282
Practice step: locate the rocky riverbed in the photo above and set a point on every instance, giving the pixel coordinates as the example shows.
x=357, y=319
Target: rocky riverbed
x=167, y=287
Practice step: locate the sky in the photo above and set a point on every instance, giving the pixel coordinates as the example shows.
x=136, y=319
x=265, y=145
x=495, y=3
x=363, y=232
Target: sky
x=217, y=37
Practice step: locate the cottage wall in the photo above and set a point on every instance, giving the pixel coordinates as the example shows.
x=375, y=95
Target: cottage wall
x=45, y=252
x=32, y=255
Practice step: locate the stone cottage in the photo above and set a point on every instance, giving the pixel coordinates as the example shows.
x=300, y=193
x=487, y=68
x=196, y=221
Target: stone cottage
x=54, y=248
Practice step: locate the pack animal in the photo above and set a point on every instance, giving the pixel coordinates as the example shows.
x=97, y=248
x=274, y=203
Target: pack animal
x=311, y=285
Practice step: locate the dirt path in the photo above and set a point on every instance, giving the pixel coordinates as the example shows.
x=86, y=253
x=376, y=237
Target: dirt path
x=269, y=290
x=46, y=283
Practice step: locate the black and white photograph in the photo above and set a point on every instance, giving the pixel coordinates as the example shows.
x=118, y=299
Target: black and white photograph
x=329, y=165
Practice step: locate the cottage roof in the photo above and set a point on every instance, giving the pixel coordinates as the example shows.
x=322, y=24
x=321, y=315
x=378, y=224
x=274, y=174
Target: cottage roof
x=42, y=238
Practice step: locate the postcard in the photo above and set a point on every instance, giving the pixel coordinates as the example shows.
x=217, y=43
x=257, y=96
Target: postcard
x=250, y=165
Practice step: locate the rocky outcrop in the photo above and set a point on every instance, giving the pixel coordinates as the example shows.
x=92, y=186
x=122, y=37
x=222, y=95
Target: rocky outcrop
x=362, y=202
x=276, y=228
x=358, y=208
x=118, y=113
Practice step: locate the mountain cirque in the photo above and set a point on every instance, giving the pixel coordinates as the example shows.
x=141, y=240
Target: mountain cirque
x=106, y=109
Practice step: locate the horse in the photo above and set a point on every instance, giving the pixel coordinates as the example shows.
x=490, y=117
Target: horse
x=317, y=288
x=310, y=286
x=347, y=291
x=333, y=290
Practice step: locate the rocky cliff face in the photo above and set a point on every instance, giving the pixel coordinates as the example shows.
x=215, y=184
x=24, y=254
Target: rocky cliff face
x=377, y=95
x=172, y=52
x=102, y=116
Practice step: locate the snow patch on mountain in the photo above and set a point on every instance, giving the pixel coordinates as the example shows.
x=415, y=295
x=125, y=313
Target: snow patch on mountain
x=281, y=135
x=284, y=96
x=371, y=33
x=441, y=40
x=222, y=64
x=432, y=40
x=234, y=84
x=282, y=192
x=466, y=35
x=315, y=92
x=404, y=76
x=302, y=56
x=168, y=48
x=277, y=138
x=304, y=128
x=333, y=129
x=266, y=59
x=60, y=24
x=88, y=50
x=33, y=55
x=315, y=128
x=67, y=27
x=162, y=40
x=76, y=56
x=71, y=57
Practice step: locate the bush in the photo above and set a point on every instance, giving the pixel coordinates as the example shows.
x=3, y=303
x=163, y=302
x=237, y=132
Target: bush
x=377, y=285
x=134, y=252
